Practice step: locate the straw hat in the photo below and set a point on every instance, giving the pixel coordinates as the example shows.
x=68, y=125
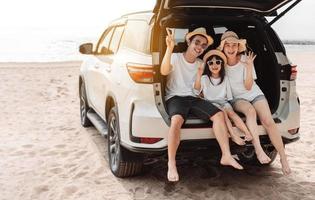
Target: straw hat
x=230, y=36
x=199, y=31
x=215, y=52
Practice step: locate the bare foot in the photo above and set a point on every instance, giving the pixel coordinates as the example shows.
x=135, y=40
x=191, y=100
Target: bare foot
x=262, y=157
x=285, y=166
x=229, y=160
x=248, y=137
x=172, y=174
x=237, y=139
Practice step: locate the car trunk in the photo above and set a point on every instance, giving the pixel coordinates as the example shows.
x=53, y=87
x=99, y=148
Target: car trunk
x=247, y=25
x=263, y=7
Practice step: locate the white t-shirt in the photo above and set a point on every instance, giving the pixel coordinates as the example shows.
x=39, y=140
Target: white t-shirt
x=237, y=76
x=181, y=77
x=215, y=92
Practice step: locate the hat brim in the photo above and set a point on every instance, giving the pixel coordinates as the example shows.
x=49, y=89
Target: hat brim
x=217, y=53
x=190, y=34
x=241, y=42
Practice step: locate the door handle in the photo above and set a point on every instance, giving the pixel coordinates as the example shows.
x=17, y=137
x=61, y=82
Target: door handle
x=108, y=68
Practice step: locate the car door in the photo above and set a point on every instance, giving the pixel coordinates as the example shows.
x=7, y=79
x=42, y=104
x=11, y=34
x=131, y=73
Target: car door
x=94, y=67
x=104, y=75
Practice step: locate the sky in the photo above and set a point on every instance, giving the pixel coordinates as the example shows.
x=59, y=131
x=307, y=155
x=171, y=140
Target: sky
x=91, y=17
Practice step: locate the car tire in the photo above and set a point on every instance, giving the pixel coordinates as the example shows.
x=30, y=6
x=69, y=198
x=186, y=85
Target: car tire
x=123, y=163
x=249, y=156
x=84, y=107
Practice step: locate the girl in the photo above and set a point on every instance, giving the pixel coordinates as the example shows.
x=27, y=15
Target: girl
x=248, y=98
x=216, y=88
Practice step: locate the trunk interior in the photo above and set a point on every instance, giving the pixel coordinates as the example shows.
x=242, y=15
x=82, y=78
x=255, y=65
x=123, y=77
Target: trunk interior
x=246, y=26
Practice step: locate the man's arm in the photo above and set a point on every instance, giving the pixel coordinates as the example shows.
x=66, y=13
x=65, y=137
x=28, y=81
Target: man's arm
x=166, y=66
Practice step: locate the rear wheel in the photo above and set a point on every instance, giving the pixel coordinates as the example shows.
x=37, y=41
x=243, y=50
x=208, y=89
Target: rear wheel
x=123, y=163
x=249, y=156
x=84, y=108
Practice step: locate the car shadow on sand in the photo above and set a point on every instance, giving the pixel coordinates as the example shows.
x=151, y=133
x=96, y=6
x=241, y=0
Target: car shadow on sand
x=206, y=178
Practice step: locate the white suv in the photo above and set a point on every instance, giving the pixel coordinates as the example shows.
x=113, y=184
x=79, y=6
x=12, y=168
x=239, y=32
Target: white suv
x=122, y=90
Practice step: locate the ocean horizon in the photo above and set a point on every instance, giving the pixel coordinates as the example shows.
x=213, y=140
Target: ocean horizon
x=40, y=45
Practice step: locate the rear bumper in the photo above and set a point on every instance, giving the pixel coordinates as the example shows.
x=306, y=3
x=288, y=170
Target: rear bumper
x=209, y=145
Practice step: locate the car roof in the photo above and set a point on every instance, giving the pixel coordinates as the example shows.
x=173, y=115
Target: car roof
x=142, y=15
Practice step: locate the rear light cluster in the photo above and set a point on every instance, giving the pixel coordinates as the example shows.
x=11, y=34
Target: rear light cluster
x=293, y=72
x=149, y=140
x=141, y=73
x=293, y=131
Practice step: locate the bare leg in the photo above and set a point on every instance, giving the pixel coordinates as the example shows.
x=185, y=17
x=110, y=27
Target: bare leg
x=173, y=143
x=251, y=122
x=221, y=134
x=239, y=124
x=264, y=115
x=235, y=137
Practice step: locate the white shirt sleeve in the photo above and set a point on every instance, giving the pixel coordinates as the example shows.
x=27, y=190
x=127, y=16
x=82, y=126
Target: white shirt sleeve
x=253, y=73
x=202, y=85
x=174, y=61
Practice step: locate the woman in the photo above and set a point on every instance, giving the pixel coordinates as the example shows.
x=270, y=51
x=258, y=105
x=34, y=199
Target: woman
x=248, y=98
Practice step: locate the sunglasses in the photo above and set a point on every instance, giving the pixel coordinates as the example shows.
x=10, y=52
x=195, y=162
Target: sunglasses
x=217, y=62
x=198, y=43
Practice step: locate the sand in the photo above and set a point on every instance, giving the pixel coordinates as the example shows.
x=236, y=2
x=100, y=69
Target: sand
x=46, y=154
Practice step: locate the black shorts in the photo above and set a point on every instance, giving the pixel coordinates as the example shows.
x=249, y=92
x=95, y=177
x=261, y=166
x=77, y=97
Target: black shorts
x=189, y=105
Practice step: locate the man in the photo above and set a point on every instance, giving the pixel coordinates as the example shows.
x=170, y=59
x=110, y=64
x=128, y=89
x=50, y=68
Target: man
x=181, y=70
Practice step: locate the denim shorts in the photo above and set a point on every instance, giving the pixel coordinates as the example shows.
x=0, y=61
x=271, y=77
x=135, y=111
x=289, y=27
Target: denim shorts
x=258, y=98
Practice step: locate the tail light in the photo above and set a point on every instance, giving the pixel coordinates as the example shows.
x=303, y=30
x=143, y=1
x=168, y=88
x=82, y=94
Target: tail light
x=141, y=73
x=149, y=140
x=293, y=131
x=293, y=72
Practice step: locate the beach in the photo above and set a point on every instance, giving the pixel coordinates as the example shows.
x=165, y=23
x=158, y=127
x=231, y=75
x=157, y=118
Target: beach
x=46, y=153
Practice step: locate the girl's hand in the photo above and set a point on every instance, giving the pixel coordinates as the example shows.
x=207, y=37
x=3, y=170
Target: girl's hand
x=249, y=59
x=201, y=68
x=170, y=38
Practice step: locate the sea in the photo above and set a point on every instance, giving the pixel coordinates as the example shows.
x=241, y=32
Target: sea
x=50, y=45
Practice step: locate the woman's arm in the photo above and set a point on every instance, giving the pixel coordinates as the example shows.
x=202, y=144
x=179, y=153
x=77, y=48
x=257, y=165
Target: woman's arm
x=249, y=64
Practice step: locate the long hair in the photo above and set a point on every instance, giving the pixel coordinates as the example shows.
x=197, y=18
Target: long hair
x=221, y=72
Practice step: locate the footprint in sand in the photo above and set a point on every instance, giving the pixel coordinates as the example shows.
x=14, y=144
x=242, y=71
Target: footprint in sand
x=100, y=171
x=56, y=170
x=17, y=153
x=80, y=154
x=50, y=153
x=69, y=165
x=32, y=153
x=62, y=91
x=40, y=189
x=65, y=153
x=70, y=190
x=79, y=175
x=139, y=193
x=55, y=81
x=60, y=146
x=27, y=146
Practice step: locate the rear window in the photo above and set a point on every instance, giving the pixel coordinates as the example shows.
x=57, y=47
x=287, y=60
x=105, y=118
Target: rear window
x=137, y=36
x=180, y=34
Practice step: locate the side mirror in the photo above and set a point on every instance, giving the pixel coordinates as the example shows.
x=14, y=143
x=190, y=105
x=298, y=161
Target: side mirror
x=104, y=50
x=86, y=48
